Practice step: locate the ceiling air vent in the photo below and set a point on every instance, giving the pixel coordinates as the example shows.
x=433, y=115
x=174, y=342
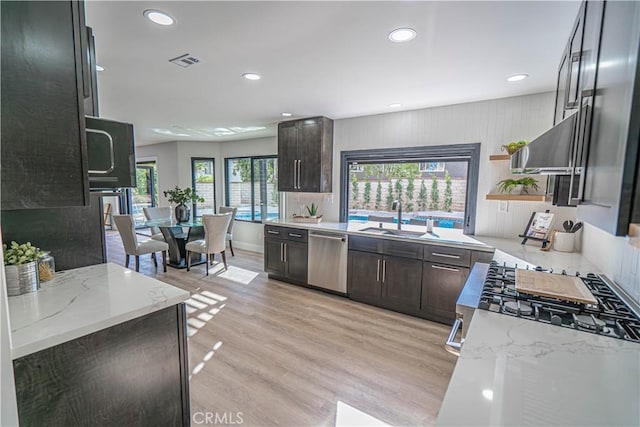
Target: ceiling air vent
x=185, y=60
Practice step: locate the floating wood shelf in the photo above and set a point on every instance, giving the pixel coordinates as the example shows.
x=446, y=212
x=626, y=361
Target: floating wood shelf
x=499, y=157
x=519, y=197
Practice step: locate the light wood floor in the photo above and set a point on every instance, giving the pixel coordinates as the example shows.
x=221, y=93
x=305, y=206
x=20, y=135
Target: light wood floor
x=283, y=355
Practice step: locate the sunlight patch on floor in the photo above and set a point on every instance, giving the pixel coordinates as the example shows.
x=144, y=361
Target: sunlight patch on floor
x=348, y=416
x=205, y=359
x=213, y=295
x=198, y=302
x=239, y=275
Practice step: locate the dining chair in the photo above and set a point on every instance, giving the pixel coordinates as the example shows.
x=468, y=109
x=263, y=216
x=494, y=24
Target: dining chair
x=157, y=213
x=233, y=212
x=125, y=226
x=215, y=231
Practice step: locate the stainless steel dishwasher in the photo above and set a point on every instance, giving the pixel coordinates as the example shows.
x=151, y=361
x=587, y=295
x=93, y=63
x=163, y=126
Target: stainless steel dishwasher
x=328, y=260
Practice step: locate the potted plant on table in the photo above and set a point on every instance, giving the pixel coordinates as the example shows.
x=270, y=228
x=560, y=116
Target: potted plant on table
x=21, y=268
x=182, y=196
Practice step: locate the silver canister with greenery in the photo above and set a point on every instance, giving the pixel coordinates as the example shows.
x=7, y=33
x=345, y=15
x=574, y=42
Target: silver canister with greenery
x=21, y=268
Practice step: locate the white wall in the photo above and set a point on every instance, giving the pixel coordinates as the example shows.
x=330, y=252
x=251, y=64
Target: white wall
x=166, y=156
x=174, y=168
x=492, y=123
x=614, y=257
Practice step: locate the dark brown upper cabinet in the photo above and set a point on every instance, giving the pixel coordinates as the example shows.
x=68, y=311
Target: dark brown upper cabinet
x=305, y=155
x=44, y=148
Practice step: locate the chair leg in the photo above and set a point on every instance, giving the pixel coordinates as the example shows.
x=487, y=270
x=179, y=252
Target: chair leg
x=206, y=264
x=137, y=263
x=224, y=260
x=153, y=258
x=211, y=258
x=188, y=260
x=126, y=261
x=164, y=261
x=231, y=247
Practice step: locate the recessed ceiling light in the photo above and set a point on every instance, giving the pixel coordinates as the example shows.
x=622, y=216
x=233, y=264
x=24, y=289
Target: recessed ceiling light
x=158, y=17
x=99, y=68
x=395, y=105
x=517, y=77
x=286, y=114
x=251, y=76
x=400, y=35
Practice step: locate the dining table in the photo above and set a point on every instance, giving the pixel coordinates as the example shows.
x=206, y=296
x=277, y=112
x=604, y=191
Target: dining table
x=177, y=235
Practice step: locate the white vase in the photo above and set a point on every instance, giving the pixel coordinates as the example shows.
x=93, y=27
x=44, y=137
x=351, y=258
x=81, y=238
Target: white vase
x=517, y=189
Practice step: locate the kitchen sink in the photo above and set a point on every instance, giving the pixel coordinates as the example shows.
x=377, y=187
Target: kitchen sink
x=388, y=232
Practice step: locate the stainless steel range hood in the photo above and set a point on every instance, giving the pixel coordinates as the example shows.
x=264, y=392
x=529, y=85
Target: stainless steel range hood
x=551, y=153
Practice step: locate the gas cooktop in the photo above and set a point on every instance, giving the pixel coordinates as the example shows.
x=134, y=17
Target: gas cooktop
x=611, y=316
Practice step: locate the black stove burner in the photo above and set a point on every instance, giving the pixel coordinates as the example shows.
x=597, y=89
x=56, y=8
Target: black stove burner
x=591, y=323
x=611, y=316
x=518, y=308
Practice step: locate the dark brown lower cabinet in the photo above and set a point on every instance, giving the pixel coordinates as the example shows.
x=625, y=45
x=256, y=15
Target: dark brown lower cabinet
x=441, y=285
x=134, y=373
x=363, y=277
x=385, y=281
x=285, y=254
x=401, y=284
x=296, y=261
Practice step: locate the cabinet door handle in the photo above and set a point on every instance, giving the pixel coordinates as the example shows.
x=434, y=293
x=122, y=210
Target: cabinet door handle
x=384, y=270
x=111, y=151
x=438, y=267
x=378, y=271
x=273, y=232
x=299, y=173
x=286, y=248
x=295, y=174
x=281, y=252
x=445, y=255
x=295, y=235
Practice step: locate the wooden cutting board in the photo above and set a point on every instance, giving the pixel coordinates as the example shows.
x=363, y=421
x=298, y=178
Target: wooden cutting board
x=567, y=288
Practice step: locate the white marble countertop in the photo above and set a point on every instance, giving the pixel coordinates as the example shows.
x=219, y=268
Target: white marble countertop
x=440, y=236
x=512, y=252
x=82, y=301
x=516, y=372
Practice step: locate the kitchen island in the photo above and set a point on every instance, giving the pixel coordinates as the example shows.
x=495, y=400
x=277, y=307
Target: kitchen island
x=100, y=345
x=516, y=372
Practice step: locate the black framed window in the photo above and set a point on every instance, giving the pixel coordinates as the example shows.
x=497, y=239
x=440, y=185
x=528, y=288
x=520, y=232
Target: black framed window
x=252, y=187
x=432, y=181
x=203, y=174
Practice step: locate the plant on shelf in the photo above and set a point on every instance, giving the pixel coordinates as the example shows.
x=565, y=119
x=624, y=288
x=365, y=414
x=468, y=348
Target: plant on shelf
x=182, y=196
x=313, y=210
x=517, y=186
x=512, y=147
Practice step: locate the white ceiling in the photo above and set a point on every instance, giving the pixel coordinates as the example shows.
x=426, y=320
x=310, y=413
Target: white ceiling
x=315, y=58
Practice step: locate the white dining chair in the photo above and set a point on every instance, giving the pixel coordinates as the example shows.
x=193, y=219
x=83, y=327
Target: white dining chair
x=125, y=226
x=157, y=213
x=233, y=212
x=215, y=231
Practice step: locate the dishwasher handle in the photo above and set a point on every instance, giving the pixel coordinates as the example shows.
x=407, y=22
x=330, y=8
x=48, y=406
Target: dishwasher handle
x=323, y=236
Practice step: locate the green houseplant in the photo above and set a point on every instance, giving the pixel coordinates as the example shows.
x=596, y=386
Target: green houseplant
x=182, y=196
x=517, y=186
x=21, y=268
x=313, y=210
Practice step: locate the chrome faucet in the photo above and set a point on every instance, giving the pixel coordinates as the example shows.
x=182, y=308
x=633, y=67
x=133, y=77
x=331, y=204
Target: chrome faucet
x=397, y=205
